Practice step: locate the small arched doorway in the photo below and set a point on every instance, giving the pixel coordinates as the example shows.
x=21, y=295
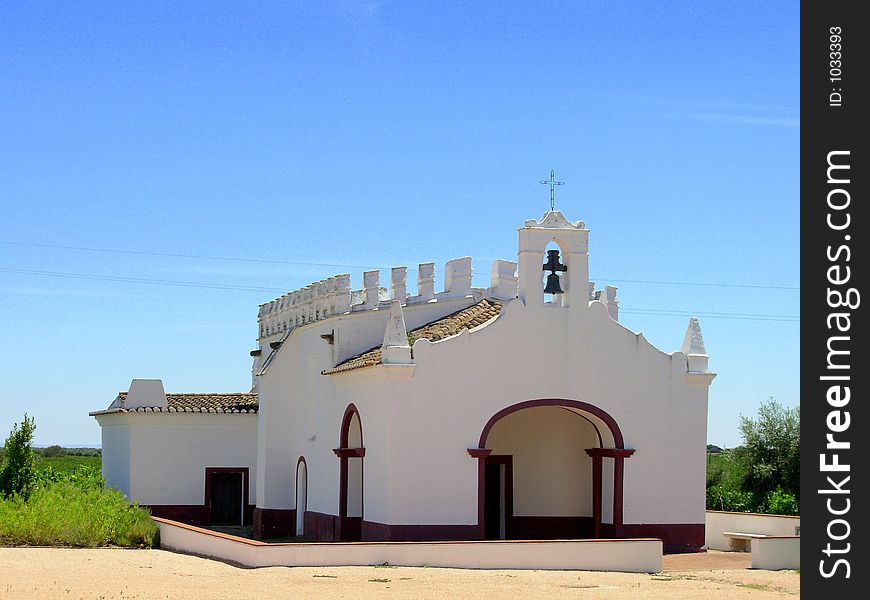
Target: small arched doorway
x=351, y=453
x=540, y=471
x=301, y=495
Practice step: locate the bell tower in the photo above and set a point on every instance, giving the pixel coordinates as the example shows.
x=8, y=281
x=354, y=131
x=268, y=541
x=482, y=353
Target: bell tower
x=571, y=260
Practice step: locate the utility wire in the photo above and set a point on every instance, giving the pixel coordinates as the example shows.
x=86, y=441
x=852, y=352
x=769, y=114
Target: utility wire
x=169, y=282
x=341, y=266
x=735, y=316
x=726, y=285
x=196, y=256
x=220, y=286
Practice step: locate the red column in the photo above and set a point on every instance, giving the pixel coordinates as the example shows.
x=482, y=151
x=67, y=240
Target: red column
x=480, y=454
x=618, y=455
x=618, y=476
x=596, y=495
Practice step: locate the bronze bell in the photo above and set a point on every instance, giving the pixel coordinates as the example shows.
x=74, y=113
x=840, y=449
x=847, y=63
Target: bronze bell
x=553, y=286
x=553, y=265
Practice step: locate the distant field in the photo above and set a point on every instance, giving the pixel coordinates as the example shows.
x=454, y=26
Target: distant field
x=68, y=464
x=716, y=458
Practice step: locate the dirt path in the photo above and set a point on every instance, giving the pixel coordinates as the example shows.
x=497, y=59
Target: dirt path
x=110, y=574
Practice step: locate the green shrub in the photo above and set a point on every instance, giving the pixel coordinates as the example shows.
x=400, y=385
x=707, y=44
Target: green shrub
x=781, y=502
x=721, y=497
x=17, y=471
x=771, y=446
x=68, y=513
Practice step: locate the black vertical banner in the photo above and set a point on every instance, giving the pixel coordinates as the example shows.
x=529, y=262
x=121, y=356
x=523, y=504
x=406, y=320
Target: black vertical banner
x=835, y=367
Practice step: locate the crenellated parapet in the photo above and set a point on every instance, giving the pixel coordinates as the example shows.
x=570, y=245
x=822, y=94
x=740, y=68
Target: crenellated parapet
x=314, y=302
x=334, y=296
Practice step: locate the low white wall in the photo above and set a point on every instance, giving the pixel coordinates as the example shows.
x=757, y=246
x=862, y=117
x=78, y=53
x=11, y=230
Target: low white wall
x=718, y=522
x=638, y=556
x=775, y=553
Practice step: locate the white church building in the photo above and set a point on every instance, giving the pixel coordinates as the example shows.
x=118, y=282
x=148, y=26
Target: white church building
x=524, y=410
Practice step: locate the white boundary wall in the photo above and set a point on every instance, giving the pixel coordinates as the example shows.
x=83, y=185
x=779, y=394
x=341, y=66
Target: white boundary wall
x=773, y=525
x=775, y=553
x=637, y=555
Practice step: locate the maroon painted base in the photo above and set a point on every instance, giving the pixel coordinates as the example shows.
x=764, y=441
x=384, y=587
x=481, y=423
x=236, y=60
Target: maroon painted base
x=274, y=522
x=320, y=527
x=676, y=537
x=192, y=514
x=381, y=532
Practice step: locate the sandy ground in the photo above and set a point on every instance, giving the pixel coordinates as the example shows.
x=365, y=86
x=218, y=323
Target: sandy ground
x=111, y=574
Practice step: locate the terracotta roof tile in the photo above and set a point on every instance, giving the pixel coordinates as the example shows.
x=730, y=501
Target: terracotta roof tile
x=197, y=403
x=452, y=324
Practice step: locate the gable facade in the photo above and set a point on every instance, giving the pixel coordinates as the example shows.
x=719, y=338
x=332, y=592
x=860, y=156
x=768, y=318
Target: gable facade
x=475, y=413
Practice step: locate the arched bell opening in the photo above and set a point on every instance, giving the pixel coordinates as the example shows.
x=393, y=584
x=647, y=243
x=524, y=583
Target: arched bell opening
x=555, y=274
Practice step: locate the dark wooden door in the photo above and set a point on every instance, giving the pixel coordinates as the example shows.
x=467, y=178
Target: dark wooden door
x=497, y=497
x=226, y=499
x=492, y=502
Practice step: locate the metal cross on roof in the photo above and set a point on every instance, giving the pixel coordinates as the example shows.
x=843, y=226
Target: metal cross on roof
x=552, y=183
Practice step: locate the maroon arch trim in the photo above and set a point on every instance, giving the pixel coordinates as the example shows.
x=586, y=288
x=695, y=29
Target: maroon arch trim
x=345, y=425
x=585, y=406
x=588, y=420
x=349, y=528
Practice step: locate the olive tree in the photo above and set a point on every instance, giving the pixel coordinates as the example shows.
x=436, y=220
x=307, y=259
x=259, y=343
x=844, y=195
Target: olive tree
x=771, y=455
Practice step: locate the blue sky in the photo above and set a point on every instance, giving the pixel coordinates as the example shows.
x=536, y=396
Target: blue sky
x=375, y=134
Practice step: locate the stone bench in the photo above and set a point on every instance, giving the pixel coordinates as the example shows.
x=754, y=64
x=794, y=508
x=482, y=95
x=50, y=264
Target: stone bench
x=741, y=542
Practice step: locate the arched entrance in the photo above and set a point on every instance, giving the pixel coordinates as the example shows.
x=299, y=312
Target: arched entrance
x=540, y=471
x=351, y=453
x=301, y=495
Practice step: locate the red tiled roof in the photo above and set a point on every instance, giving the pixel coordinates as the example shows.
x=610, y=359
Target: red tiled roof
x=244, y=402
x=467, y=318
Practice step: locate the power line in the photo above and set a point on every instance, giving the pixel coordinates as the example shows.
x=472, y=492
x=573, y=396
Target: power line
x=344, y=266
x=711, y=315
x=698, y=283
x=168, y=282
x=195, y=256
x=220, y=286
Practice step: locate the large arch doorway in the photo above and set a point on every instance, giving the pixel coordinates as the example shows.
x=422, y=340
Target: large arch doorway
x=541, y=472
x=351, y=453
x=301, y=495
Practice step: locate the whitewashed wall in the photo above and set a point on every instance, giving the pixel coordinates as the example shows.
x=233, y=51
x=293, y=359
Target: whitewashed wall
x=116, y=453
x=168, y=453
x=426, y=419
x=300, y=411
x=418, y=420
x=718, y=522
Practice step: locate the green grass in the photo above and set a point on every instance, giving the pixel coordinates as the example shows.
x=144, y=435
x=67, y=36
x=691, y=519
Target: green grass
x=71, y=507
x=82, y=515
x=756, y=586
x=68, y=464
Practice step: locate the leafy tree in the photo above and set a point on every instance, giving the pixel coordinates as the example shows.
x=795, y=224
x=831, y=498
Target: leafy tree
x=18, y=471
x=771, y=453
x=53, y=452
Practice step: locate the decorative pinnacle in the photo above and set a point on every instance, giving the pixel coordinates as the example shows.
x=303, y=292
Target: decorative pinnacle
x=552, y=183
